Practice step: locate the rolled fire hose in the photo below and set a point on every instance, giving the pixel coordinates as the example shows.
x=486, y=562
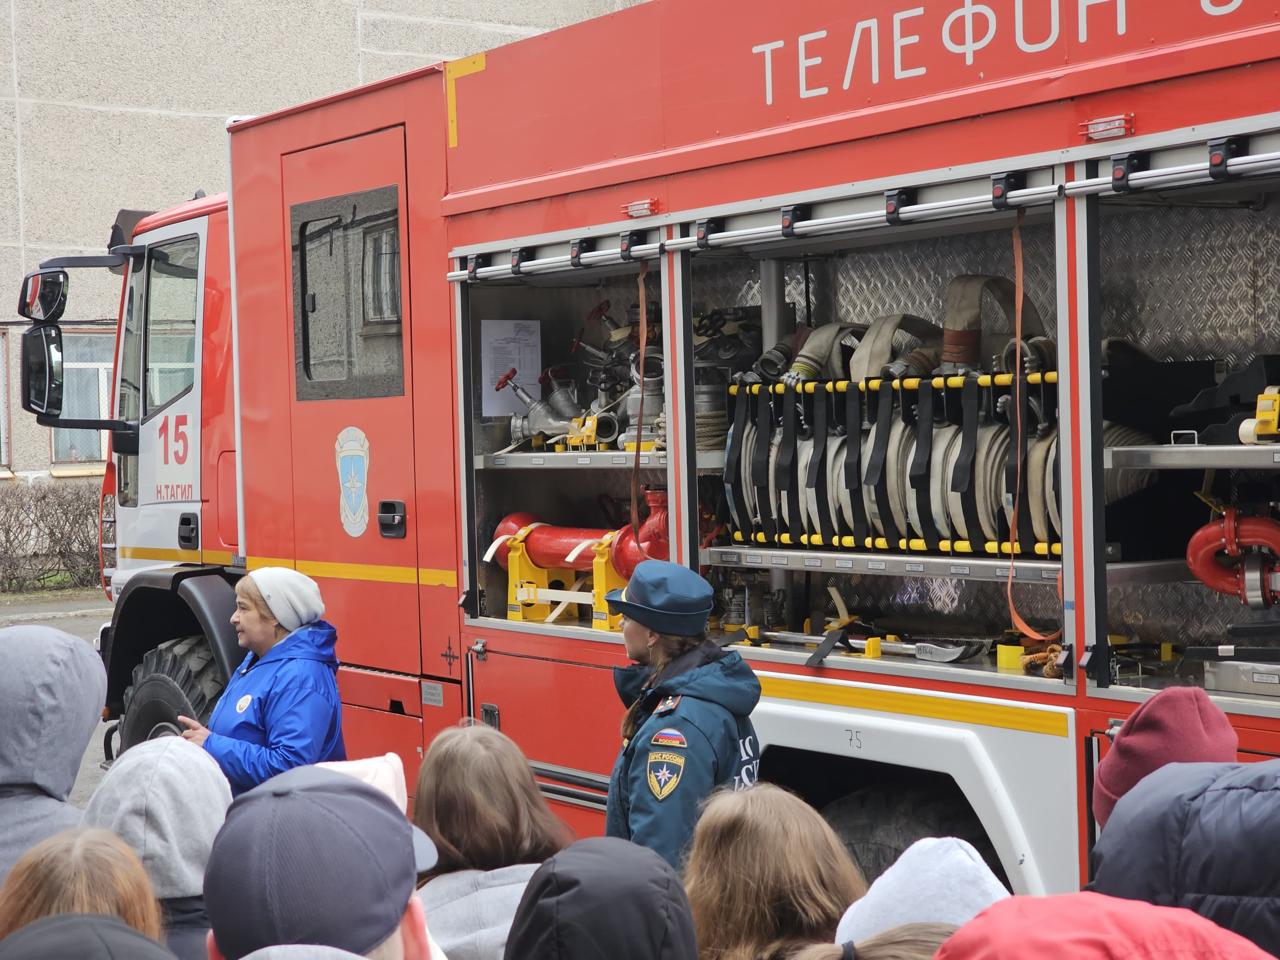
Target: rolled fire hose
x=988, y=481
x=875, y=350
x=1040, y=353
x=943, y=436
x=902, y=439
x=1039, y=485
x=1118, y=484
x=839, y=505
x=1050, y=466
x=774, y=362
x=869, y=505
x=777, y=498
x=819, y=357
x=749, y=505
x=735, y=509
x=965, y=345
x=810, y=517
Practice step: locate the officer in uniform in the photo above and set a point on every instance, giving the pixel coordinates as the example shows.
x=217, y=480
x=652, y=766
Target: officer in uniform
x=687, y=729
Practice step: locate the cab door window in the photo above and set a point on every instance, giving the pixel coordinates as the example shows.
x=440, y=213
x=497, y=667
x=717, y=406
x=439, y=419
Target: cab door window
x=173, y=297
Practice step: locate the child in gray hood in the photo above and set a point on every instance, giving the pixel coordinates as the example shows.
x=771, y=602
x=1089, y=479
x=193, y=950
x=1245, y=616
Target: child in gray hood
x=167, y=800
x=52, y=688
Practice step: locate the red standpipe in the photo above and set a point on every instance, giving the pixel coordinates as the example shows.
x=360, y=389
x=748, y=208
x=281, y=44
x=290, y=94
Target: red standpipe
x=1215, y=550
x=548, y=546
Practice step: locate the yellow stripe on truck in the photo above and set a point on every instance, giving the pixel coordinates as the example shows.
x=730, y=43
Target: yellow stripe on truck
x=452, y=71
x=372, y=572
x=160, y=553
x=973, y=712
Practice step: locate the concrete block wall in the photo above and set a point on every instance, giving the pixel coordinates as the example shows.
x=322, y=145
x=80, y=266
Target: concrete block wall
x=122, y=103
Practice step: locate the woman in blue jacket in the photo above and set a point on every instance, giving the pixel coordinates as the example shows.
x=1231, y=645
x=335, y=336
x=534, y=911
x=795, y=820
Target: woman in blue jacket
x=687, y=729
x=280, y=709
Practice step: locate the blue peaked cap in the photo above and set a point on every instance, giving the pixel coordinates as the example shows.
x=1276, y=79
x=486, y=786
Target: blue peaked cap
x=665, y=597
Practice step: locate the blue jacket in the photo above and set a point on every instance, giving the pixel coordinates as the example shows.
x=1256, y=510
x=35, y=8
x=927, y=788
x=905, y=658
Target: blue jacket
x=281, y=711
x=697, y=736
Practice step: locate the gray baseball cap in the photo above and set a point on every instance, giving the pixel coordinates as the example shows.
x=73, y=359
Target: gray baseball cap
x=312, y=857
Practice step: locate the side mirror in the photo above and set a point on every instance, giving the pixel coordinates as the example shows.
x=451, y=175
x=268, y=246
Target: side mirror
x=44, y=296
x=42, y=370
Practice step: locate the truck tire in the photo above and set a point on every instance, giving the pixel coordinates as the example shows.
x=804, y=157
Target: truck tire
x=177, y=677
x=879, y=821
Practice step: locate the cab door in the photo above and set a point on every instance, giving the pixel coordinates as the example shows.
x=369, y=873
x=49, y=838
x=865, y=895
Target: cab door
x=351, y=404
x=158, y=495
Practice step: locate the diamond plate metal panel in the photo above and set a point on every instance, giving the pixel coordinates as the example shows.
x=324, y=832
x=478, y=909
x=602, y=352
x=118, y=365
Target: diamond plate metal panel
x=1192, y=282
x=980, y=603
x=912, y=277
x=905, y=277
x=1188, y=613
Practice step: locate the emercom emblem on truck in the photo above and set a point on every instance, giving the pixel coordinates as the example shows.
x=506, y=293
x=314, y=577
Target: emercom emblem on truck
x=352, y=455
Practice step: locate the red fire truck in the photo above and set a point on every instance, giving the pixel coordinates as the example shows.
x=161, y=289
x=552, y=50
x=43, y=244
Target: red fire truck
x=940, y=339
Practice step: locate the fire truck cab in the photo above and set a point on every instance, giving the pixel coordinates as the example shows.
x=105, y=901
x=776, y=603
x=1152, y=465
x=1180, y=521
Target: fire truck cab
x=926, y=337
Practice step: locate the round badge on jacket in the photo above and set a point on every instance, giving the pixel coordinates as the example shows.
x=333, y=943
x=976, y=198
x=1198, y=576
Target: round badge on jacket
x=243, y=703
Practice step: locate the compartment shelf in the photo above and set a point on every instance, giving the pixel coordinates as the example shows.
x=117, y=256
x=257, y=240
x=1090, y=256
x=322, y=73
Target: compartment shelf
x=1178, y=456
x=885, y=564
x=589, y=460
x=970, y=568
x=709, y=461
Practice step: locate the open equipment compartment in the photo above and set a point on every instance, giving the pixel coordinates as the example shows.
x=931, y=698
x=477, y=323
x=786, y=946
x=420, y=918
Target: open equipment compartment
x=552, y=468
x=1189, y=285
x=818, y=564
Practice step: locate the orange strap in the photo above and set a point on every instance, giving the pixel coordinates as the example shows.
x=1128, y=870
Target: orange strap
x=1019, y=624
x=639, y=424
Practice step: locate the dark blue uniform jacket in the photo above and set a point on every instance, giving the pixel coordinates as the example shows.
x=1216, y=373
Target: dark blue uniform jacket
x=698, y=736
x=281, y=711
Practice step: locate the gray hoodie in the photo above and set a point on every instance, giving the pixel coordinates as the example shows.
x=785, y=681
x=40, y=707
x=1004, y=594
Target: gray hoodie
x=166, y=799
x=52, y=689
x=936, y=880
x=469, y=912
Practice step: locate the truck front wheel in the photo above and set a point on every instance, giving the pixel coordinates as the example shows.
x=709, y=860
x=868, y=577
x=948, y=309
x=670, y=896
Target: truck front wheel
x=179, y=677
x=879, y=821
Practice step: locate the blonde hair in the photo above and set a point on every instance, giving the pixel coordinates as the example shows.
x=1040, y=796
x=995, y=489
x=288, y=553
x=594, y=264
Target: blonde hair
x=477, y=799
x=246, y=588
x=85, y=870
x=911, y=941
x=765, y=875
x=669, y=647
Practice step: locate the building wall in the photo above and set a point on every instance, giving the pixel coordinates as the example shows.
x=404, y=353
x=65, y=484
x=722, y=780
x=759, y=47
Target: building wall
x=107, y=104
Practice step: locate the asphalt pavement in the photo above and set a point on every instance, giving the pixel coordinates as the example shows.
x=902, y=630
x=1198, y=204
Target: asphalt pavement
x=80, y=613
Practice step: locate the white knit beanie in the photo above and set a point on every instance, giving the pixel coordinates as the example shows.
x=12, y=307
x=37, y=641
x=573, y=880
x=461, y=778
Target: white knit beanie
x=294, y=598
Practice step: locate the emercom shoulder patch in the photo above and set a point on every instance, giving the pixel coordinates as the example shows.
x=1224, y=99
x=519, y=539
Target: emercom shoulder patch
x=664, y=770
x=669, y=737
